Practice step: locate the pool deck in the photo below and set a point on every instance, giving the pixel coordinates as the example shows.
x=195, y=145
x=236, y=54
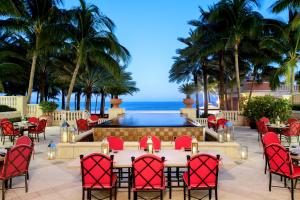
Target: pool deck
x=238, y=180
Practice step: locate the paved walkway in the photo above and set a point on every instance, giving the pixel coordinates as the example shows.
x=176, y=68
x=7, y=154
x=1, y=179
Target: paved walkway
x=243, y=180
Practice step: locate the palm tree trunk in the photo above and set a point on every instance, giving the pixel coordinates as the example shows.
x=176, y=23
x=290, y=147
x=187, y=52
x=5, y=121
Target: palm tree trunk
x=292, y=83
x=42, y=86
x=31, y=79
x=221, y=82
x=102, y=104
x=37, y=96
x=197, y=94
x=63, y=102
x=231, y=98
x=78, y=94
x=72, y=83
x=88, y=101
x=96, y=103
x=252, y=84
x=205, y=80
x=237, y=74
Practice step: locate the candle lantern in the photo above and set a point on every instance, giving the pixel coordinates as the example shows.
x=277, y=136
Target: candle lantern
x=221, y=136
x=64, y=132
x=194, y=145
x=229, y=132
x=51, y=151
x=244, y=152
x=72, y=134
x=150, y=144
x=105, y=146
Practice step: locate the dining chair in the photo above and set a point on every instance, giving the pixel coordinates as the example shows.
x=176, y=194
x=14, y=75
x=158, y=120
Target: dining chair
x=292, y=131
x=262, y=129
x=33, y=120
x=16, y=163
x=156, y=142
x=39, y=129
x=115, y=143
x=182, y=142
x=93, y=120
x=269, y=138
x=148, y=175
x=221, y=123
x=97, y=174
x=265, y=120
x=210, y=120
x=292, y=120
x=82, y=125
x=9, y=131
x=202, y=174
x=280, y=163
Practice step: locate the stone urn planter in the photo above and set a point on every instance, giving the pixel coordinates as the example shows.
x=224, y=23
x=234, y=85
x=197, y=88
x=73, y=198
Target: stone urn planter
x=48, y=108
x=188, y=102
x=116, y=102
x=48, y=117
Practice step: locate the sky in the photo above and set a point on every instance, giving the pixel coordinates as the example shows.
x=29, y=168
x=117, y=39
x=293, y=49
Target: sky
x=149, y=30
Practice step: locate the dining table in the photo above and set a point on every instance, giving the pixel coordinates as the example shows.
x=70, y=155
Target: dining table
x=278, y=128
x=173, y=159
x=23, y=126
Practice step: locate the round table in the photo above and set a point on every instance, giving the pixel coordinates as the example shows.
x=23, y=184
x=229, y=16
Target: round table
x=278, y=128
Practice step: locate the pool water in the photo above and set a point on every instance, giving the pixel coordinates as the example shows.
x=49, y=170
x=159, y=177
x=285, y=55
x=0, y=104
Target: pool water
x=149, y=120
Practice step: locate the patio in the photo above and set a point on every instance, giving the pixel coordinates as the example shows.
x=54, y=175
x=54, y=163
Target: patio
x=237, y=179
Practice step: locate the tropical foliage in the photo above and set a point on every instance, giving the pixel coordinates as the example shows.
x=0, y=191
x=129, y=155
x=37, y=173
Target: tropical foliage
x=232, y=42
x=54, y=51
x=268, y=106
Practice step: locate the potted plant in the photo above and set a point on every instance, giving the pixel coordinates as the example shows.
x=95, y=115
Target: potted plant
x=188, y=89
x=47, y=108
x=267, y=106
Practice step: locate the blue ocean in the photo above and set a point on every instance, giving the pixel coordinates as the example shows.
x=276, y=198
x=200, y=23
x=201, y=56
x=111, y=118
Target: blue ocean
x=140, y=106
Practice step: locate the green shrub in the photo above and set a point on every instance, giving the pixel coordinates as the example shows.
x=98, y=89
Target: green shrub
x=268, y=106
x=5, y=108
x=296, y=107
x=48, y=106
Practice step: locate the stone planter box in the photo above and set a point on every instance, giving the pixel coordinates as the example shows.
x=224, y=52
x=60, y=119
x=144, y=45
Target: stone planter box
x=10, y=115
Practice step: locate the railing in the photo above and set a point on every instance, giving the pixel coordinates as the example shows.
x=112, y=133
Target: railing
x=33, y=110
x=287, y=88
x=10, y=101
x=69, y=116
x=202, y=121
x=234, y=116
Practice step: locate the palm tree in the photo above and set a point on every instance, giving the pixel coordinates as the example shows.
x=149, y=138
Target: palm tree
x=37, y=18
x=121, y=83
x=242, y=21
x=281, y=5
x=284, y=39
x=91, y=32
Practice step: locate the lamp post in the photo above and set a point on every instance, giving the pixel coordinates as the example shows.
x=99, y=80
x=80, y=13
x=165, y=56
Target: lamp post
x=150, y=144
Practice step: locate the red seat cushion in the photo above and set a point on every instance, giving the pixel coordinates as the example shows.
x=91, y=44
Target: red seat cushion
x=104, y=185
x=155, y=186
x=296, y=171
x=195, y=185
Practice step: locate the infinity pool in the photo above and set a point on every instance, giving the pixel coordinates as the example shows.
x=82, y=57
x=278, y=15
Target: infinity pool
x=149, y=120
